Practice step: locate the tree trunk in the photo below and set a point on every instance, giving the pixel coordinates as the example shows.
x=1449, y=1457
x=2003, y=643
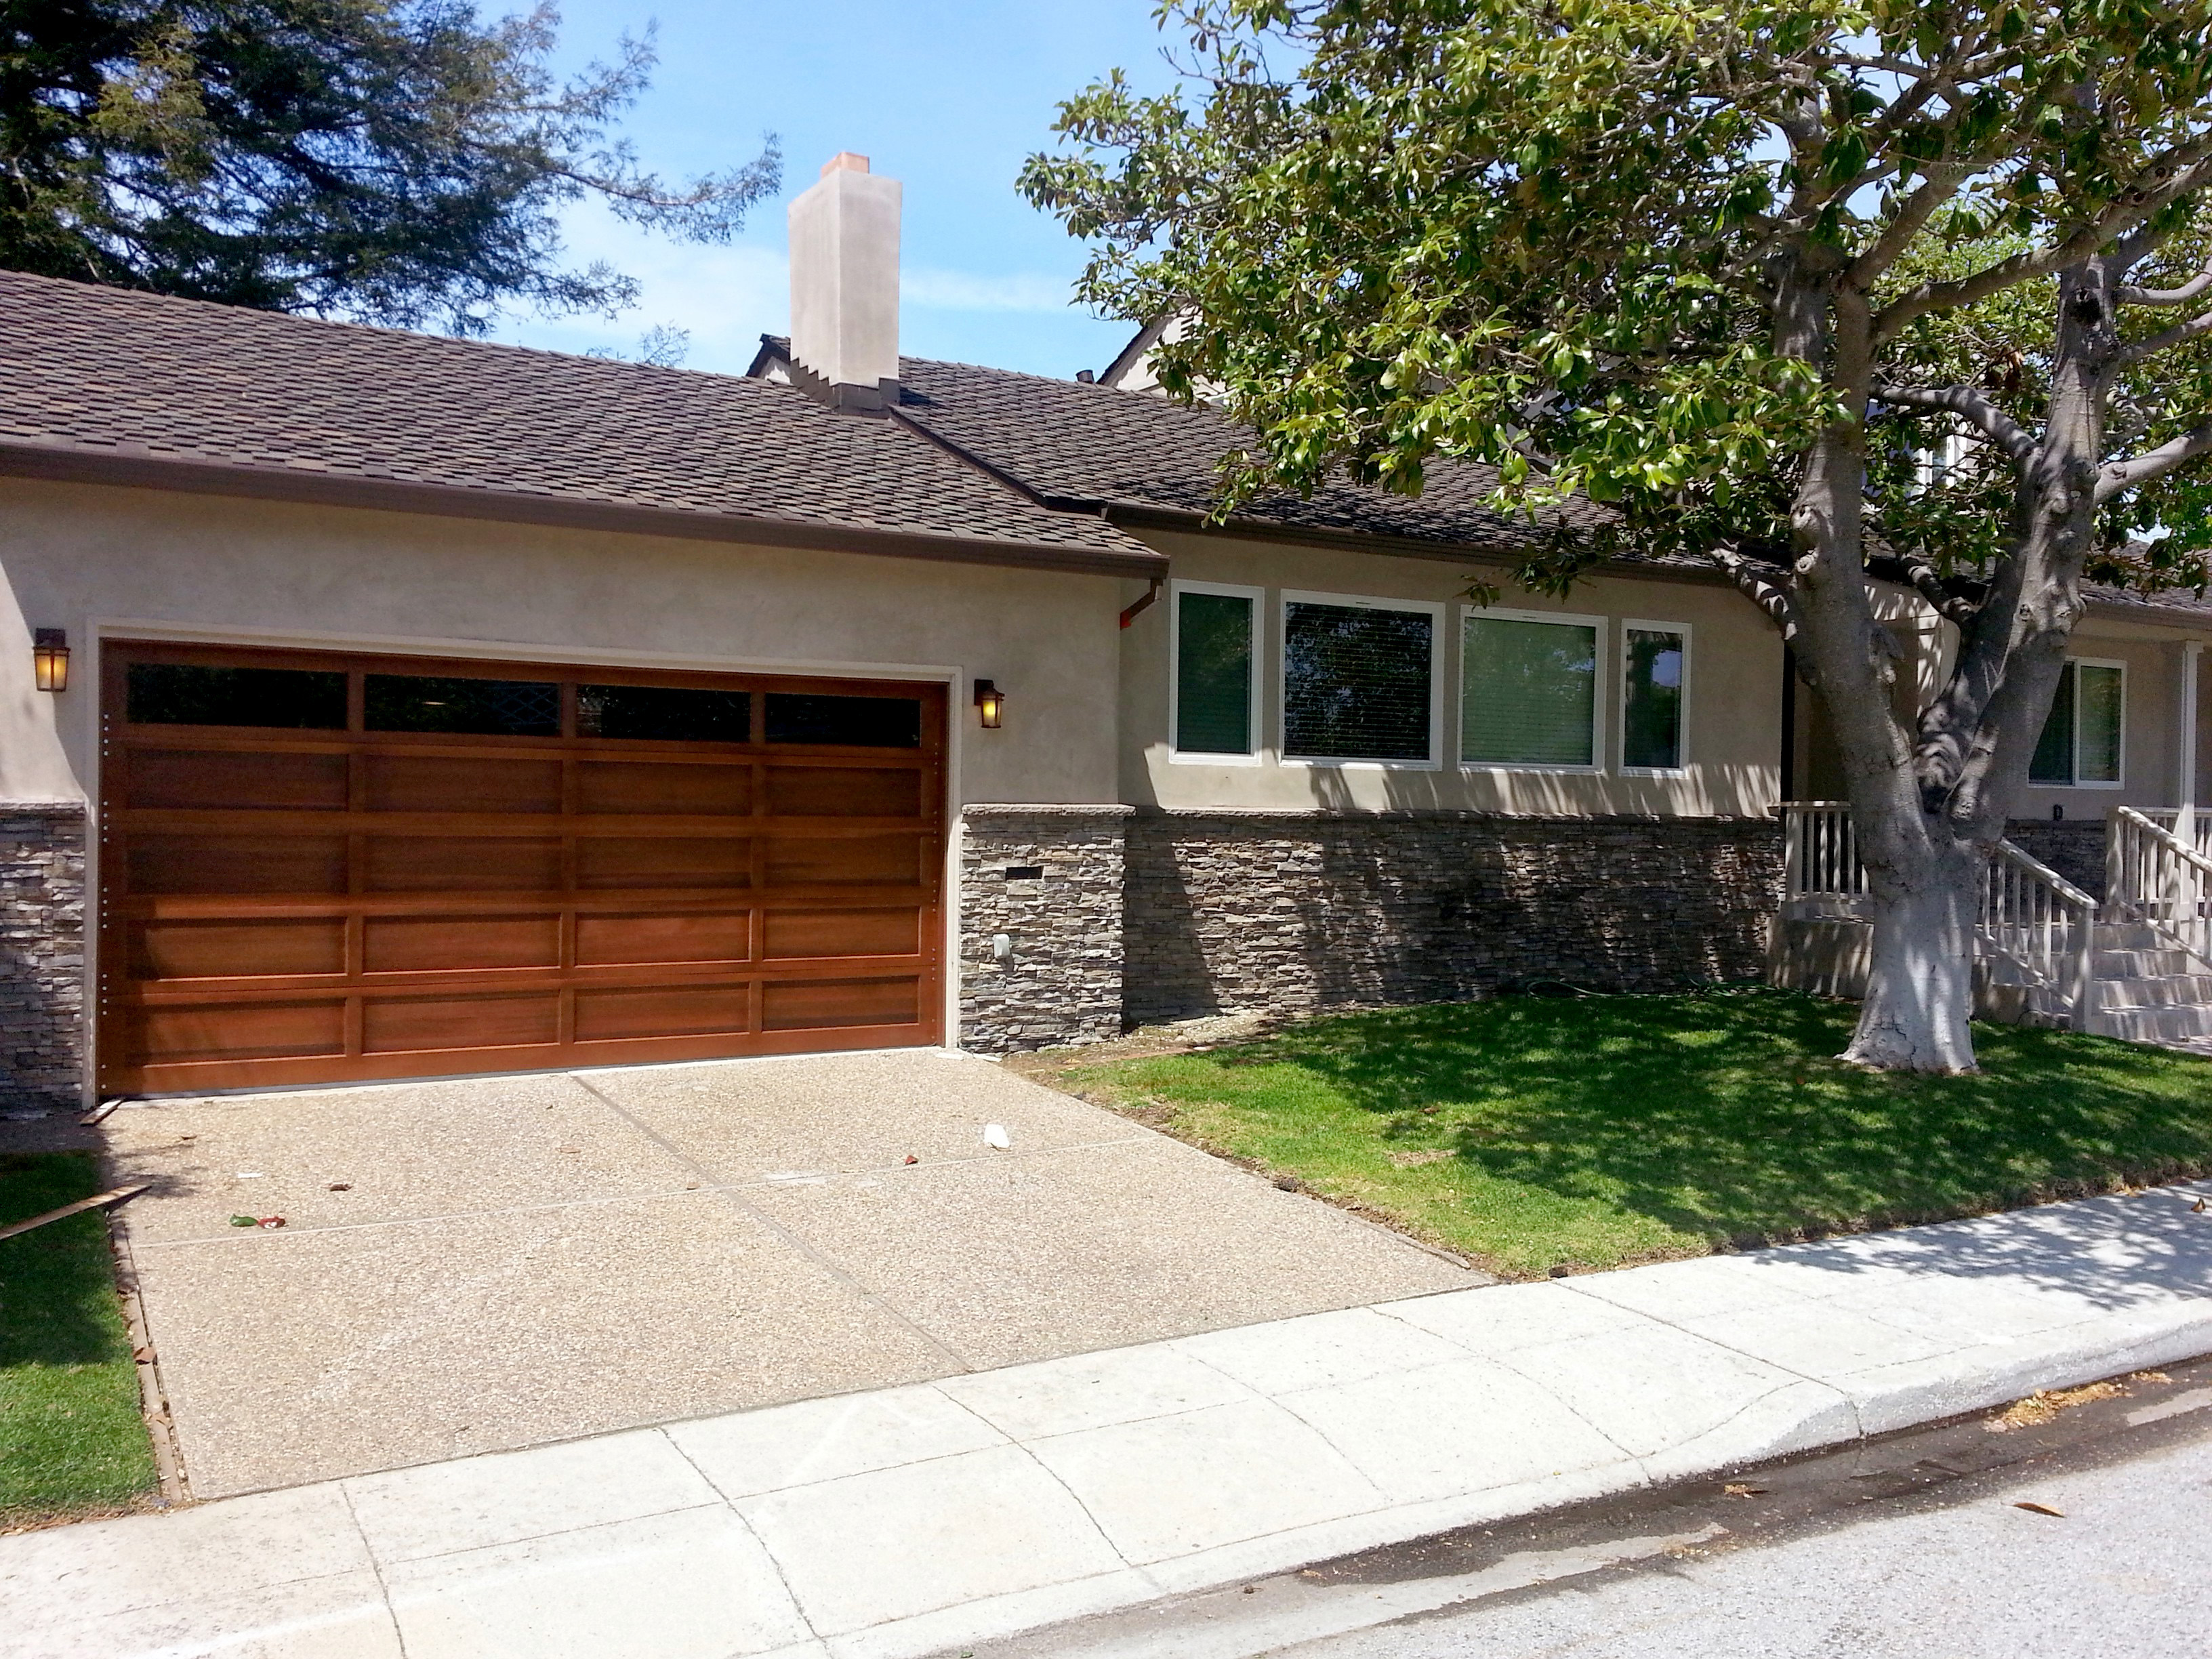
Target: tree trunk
x=1920, y=980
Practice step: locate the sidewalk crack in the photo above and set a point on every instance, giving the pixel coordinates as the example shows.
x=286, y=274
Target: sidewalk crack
x=751, y=1532
x=376, y=1567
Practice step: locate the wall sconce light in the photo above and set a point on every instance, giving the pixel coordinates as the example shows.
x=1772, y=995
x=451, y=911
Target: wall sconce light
x=992, y=703
x=49, y=659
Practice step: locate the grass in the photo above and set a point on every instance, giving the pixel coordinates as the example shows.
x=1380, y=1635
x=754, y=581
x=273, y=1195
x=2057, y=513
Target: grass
x=72, y=1441
x=1532, y=1132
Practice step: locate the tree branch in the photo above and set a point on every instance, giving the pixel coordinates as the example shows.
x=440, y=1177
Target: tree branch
x=1969, y=403
x=1765, y=587
x=2128, y=295
x=2117, y=478
x=2179, y=334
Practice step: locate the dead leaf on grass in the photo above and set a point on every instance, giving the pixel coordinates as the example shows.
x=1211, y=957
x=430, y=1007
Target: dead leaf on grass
x=1415, y=1160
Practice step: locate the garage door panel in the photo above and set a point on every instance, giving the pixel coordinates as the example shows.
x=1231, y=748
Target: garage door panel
x=461, y=864
x=438, y=944
x=892, y=931
x=606, y=863
x=443, y=783
x=845, y=860
x=688, y=936
x=666, y=787
x=236, y=865
x=822, y=792
x=405, y=1025
x=213, y=949
x=199, y=1032
x=232, y=779
x=429, y=867
x=691, y=1011
x=829, y=1004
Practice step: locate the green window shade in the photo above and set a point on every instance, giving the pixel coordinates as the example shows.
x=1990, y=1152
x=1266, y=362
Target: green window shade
x=2054, y=749
x=2097, y=724
x=1651, y=715
x=1213, y=674
x=1528, y=692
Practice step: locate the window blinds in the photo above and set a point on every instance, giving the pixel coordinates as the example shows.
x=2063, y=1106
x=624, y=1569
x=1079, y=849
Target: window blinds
x=1528, y=692
x=1356, y=681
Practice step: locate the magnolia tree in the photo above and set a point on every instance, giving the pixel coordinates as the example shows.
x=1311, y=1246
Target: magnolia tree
x=1738, y=269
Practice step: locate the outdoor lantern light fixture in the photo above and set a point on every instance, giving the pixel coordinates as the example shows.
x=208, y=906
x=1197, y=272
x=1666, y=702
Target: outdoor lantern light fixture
x=991, y=702
x=49, y=659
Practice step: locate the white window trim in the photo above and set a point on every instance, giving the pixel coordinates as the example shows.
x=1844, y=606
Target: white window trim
x=1439, y=615
x=1230, y=591
x=1689, y=667
x=2077, y=782
x=1600, y=727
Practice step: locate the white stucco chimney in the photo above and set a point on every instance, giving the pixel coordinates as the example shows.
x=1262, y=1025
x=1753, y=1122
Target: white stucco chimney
x=845, y=283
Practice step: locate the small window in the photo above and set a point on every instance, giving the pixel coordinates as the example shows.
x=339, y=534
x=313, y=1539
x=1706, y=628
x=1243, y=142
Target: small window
x=664, y=713
x=1214, y=631
x=2080, y=742
x=430, y=702
x=186, y=694
x=1358, y=681
x=861, y=722
x=1528, y=689
x=1655, y=675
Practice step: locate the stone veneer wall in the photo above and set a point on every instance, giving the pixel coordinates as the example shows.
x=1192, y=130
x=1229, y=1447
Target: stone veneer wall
x=2075, y=847
x=1049, y=879
x=1292, y=912
x=42, y=911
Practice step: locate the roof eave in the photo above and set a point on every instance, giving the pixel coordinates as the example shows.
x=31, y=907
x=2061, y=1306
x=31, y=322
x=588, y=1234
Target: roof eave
x=71, y=463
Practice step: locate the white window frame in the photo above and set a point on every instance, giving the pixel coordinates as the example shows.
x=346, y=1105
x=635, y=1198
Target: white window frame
x=1439, y=616
x=1258, y=596
x=1600, y=727
x=1648, y=624
x=2076, y=781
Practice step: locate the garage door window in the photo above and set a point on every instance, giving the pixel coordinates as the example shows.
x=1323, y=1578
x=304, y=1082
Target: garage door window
x=861, y=722
x=664, y=713
x=187, y=694
x=421, y=703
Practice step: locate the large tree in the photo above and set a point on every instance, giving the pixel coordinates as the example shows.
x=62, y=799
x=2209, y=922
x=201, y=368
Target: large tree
x=1738, y=269
x=396, y=161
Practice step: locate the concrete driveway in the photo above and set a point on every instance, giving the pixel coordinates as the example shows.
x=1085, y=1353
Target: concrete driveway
x=491, y=1263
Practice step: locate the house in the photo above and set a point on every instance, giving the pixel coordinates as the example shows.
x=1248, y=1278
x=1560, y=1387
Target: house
x=374, y=705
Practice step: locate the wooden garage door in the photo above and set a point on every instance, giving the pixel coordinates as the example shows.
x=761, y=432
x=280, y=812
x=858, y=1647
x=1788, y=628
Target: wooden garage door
x=319, y=869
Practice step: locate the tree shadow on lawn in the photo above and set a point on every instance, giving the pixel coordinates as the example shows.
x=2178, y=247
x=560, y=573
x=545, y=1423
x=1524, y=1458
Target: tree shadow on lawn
x=1725, y=1115
x=56, y=1282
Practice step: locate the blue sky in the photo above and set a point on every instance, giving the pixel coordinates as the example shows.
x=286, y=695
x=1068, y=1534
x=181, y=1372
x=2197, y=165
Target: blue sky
x=948, y=98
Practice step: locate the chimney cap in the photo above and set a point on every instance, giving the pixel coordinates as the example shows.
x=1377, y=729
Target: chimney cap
x=845, y=160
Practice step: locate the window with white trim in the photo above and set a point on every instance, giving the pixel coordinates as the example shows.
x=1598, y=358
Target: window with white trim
x=1214, y=679
x=2082, y=739
x=1655, y=683
x=1529, y=689
x=1359, y=680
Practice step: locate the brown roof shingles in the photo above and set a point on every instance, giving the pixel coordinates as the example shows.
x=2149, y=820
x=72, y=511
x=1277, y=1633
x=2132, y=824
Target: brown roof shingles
x=271, y=401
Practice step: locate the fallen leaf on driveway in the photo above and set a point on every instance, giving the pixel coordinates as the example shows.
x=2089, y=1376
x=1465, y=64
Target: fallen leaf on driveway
x=2041, y=1509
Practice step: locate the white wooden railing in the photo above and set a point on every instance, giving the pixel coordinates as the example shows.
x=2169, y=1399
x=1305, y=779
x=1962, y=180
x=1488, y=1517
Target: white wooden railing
x=2030, y=916
x=2153, y=876
x=2196, y=833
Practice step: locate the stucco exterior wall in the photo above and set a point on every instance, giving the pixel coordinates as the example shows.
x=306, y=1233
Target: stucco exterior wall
x=94, y=557
x=1733, y=736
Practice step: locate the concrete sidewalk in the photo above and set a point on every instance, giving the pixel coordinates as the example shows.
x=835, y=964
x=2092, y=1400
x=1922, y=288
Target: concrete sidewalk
x=911, y=1520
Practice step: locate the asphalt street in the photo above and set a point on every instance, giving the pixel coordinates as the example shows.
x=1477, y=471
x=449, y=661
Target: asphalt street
x=2124, y=1569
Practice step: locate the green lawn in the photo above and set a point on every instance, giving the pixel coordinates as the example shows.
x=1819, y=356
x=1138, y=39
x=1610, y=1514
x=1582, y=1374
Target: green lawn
x=72, y=1441
x=1529, y=1133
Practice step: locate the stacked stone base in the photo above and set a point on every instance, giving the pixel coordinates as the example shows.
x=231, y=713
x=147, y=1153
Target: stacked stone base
x=42, y=911
x=1113, y=919
x=2075, y=847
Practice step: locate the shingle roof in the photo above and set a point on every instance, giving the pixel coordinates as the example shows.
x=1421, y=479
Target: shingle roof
x=280, y=402
x=1085, y=447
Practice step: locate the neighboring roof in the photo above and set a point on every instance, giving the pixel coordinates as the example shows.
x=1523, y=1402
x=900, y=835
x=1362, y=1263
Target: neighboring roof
x=107, y=384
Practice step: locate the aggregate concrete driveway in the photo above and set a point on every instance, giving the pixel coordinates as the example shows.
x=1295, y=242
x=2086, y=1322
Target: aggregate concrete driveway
x=514, y=1261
